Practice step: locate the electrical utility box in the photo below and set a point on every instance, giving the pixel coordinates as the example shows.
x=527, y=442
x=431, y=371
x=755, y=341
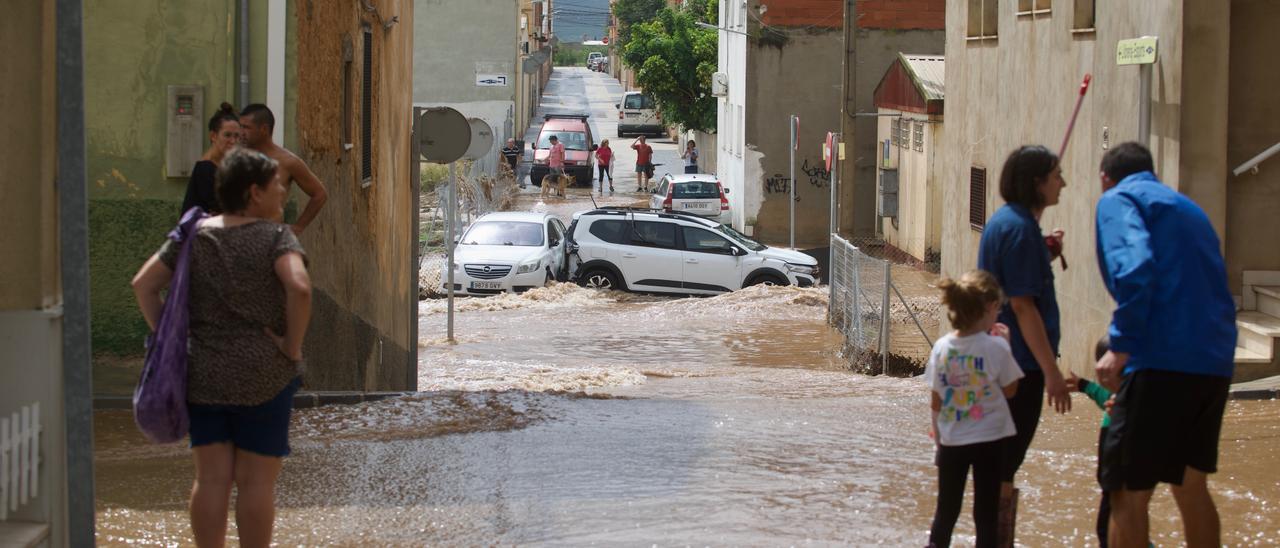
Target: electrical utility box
x=887, y=198
x=184, y=132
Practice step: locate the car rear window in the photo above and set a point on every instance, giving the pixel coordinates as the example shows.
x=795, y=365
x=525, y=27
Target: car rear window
x=638, y=101
x=610, y=230
x=695, y=190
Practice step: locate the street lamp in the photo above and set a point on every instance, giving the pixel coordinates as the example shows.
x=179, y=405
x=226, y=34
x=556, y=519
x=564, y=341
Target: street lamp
x=710, y=26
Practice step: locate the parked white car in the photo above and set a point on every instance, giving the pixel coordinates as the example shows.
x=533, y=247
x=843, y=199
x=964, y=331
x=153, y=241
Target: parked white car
x=638, y=113
x=654, y=251
x=698, y=194
x=508, y=252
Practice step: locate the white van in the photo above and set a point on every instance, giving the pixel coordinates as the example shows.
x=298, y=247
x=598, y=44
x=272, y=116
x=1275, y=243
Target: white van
x=637, y=113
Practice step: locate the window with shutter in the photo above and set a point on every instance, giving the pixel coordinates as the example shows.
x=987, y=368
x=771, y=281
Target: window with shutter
x=366, y=111
x=977, y=198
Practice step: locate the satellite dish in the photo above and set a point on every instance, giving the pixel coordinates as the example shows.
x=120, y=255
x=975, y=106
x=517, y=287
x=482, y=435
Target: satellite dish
x=481, y=139
x=444, y=135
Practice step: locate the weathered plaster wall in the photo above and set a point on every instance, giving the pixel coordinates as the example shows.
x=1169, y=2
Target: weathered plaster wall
x=874, y=51
x=30, y=295
x=1253, y=227
x=1019, y=88
x=130, y=55
x=801, y=77
x=361, y=246
x=28, y=225
x=454, y=40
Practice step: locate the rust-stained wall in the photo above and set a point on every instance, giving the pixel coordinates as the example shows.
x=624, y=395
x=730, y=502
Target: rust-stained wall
x=361, y=246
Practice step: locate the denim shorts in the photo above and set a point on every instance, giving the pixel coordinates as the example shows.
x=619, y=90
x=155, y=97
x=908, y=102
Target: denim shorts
x=261, y=429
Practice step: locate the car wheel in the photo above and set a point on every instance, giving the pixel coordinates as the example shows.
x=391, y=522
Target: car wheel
x=600, y=279
x=767, y=279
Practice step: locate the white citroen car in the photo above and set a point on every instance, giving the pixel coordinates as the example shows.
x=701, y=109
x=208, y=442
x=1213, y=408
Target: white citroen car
x=655, y=251
x=508, y=252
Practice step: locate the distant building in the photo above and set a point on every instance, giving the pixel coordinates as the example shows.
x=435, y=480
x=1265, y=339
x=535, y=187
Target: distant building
x=777, y=59
x=878, y=30
x=909, y=101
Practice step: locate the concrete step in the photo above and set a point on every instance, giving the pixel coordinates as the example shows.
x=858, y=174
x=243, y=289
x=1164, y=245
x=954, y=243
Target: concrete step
x=1244, y=355
x=1256, y=355
x=1268, y=299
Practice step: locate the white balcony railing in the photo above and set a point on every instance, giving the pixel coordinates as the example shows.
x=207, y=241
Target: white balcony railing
x=19, y=458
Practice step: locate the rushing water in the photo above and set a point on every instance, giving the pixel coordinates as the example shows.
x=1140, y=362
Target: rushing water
x=573, y=416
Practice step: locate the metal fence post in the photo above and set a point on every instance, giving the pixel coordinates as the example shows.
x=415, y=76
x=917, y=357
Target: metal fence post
x=884, y=319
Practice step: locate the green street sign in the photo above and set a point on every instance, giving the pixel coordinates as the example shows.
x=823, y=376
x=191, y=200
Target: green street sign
x=1136, y=51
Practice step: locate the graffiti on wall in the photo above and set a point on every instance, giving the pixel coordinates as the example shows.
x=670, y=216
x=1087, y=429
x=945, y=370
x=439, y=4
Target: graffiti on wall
x=816, y=173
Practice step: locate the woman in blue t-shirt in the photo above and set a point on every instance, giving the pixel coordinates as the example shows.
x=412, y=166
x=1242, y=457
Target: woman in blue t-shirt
x=1014, y=250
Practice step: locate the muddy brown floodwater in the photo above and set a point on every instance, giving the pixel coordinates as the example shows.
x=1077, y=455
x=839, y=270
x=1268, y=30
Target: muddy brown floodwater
x=568, y=416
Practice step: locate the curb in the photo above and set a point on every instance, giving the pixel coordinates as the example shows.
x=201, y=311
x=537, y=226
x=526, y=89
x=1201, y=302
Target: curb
x=301, y=400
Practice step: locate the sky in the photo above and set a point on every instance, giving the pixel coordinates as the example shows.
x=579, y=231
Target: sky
x=574, y=18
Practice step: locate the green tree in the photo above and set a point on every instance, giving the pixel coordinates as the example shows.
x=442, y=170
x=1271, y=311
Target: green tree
x=633, y=12
x=674, y=59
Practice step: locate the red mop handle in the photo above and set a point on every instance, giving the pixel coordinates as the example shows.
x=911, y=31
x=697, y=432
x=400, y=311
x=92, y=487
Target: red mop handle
x=1084, y=88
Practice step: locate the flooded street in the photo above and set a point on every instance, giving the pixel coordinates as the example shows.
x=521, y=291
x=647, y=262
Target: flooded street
x=568, y=416
x=571, y=416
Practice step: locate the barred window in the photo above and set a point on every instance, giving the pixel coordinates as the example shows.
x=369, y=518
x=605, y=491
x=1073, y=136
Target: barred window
x=893, y=130
x=977, y=198
x=918, y=140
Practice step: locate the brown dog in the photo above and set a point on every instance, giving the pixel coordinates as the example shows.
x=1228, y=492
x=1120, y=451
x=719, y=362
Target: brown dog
x=563, y=182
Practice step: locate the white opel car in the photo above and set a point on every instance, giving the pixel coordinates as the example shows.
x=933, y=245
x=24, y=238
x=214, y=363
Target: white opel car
x=508, y=252
x=655, y=251
x=698, y=194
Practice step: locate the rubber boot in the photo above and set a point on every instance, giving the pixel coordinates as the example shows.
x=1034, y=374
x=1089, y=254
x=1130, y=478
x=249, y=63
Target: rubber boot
x=1008, y=520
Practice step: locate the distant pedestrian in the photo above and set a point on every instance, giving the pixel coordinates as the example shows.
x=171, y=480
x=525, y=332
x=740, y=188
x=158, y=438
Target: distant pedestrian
x=555, y=165
x=604, y=164
x=511, y=153
x=249, y=306
x=690, y=156
x=1173, y=338
x=257, y=123
x=970, y=374
x=1014, y=250
x=644, y=163
x=224, y=134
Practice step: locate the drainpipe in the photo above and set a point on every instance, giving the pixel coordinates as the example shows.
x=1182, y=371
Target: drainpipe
x=73, y=249
x=244, y=53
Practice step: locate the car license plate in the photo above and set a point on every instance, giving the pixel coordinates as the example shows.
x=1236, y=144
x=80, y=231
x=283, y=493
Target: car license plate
x=633, y=115
x=486, y=285
x=696, y=205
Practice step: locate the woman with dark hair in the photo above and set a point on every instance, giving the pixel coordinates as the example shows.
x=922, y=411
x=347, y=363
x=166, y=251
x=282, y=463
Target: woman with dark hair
x=249, y=303
x=1014, y=250
x=224, y=134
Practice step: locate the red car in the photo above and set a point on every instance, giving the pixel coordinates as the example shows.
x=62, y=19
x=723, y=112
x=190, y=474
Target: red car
x=575, y=133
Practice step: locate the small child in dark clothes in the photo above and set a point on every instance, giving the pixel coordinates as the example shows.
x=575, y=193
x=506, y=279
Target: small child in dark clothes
x=1099, y=395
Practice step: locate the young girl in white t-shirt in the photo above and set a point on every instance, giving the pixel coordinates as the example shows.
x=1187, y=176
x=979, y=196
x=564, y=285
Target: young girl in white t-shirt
x=970, y=374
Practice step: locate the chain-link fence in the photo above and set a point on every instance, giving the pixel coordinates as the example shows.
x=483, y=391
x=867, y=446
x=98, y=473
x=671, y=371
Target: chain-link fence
x=478, y=193
x=887, y=310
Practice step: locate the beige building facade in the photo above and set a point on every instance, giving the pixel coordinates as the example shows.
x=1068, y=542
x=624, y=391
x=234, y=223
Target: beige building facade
x=1013, y=73
x=909, y=103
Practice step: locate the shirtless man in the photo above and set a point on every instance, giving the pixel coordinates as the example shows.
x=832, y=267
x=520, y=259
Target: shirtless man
x=257, y=123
